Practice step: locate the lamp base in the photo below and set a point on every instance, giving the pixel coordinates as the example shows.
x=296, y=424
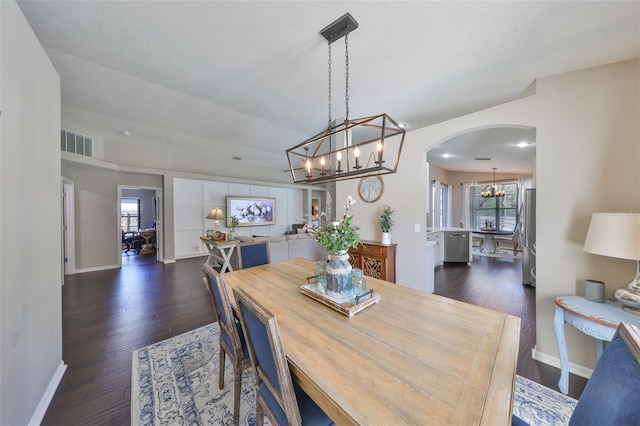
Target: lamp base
x=629, y=296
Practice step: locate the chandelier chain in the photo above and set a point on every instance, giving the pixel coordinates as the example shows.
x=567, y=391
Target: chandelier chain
x=346, y=74
x=329, y=98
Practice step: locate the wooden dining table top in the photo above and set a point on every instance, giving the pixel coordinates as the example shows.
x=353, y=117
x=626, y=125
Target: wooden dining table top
x=412, y=358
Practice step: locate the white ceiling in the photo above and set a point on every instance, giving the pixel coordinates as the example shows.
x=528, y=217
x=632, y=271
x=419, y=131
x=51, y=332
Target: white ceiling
x=250, y=78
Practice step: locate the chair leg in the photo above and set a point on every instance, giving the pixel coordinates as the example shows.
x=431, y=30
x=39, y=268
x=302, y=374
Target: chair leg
x=236, y=393
x=221, y=369
x=259, y=412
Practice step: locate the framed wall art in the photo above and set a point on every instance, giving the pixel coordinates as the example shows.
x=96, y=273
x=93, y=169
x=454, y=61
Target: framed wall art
x=251, y=211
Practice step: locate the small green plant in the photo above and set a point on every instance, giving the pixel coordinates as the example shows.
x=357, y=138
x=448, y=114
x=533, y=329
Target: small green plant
x=234, y=222
x=386, y=221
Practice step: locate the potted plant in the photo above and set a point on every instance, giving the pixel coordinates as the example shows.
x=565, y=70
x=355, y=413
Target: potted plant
x=232, y=231
x=386, y=222
x=337, y=236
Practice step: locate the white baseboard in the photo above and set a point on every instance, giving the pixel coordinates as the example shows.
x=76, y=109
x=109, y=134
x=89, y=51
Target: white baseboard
x=191, y=255
x=554, y=361
x=97, y=268
x=168, y=261
x=43, y=405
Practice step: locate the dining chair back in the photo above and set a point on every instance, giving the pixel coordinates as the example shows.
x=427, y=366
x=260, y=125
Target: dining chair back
x=253, y=254
x=509, y=240
x=232, y=343
x=611, y=396
x=277, y=395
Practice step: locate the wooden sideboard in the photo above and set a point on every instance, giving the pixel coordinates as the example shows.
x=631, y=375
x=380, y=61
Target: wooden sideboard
x=375, y=259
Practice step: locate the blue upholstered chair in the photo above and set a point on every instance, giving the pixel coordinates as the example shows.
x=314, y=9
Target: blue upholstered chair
x=253, y=254
x=281, y=399
x=612, y=394
x=232, y=343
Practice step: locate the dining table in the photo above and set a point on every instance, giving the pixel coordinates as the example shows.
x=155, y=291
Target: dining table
x=411, y=358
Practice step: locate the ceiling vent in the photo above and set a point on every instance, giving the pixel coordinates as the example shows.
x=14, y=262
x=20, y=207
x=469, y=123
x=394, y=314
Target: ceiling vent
x=483, y=158
x=76, y=143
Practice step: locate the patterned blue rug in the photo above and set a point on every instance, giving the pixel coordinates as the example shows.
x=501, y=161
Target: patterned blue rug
x=175, y=382
x=540, y=406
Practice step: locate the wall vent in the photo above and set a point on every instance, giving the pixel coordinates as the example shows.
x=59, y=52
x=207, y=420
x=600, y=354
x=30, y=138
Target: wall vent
x=76, y=143
x=483, y=158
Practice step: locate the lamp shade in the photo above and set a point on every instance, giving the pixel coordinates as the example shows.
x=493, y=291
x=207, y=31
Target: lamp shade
x=216, y=213
x=614, y=235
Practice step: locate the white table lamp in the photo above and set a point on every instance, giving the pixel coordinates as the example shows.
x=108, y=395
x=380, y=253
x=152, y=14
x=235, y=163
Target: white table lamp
x=217, y=215
x=618, y=235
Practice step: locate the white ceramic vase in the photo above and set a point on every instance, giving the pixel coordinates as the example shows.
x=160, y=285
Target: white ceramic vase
x=386, y=238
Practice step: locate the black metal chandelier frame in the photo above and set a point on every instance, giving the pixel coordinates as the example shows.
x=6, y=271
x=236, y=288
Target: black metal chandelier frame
x=351, y=148
x=494, y=192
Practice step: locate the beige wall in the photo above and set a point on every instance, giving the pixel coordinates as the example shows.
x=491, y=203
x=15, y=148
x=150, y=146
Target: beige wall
x=587, y=150
x=587, y=161
x=97, y=239
x=30, y=223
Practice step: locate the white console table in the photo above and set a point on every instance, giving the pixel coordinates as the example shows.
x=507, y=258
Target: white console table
x=220, y=253
x=599, y=320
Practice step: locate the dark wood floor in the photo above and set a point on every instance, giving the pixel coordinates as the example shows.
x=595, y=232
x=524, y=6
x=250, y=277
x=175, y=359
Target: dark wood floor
x=109, y=314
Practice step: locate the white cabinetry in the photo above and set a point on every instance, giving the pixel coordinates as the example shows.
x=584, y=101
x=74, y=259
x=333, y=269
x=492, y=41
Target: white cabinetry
x=438, y=253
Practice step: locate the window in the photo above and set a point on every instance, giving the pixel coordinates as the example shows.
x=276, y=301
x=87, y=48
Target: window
x=440, y=204
x=130, y=214
x=501, y=212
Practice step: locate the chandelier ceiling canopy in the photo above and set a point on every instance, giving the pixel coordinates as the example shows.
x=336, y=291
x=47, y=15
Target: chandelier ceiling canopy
x=351, y=148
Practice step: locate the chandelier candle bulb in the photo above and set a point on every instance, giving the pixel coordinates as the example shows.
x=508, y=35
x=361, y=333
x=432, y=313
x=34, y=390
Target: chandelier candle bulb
x=308, y=168
x=339, y=157
x=322, y=163
x=379, y=152
x=356, y=153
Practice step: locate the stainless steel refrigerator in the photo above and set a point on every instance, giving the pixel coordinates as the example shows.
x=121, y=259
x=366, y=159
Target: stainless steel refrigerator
x=529, y=238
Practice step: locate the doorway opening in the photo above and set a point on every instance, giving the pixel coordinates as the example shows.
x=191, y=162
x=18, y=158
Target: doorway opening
x=140, y=230
x=68, y=229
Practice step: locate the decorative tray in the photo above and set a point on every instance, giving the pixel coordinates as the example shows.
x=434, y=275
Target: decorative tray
x=344, y=306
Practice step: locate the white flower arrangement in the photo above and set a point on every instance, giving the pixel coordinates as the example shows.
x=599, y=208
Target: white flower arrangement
x=252, y=209
x=337, y=235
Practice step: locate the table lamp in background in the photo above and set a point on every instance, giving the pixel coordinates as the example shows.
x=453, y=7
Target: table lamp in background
x=618, y=235
x=217, y=215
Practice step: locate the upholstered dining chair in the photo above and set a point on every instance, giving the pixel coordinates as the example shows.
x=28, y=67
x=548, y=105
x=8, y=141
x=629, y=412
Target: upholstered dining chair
x=612, y=394
x=277, y=395
x=476, y=240
x=510, y=240
x=232, y=343
x=253, y=254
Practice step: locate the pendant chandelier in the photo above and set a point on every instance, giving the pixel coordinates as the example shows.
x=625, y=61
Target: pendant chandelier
x=352, y=148
x=493, y=192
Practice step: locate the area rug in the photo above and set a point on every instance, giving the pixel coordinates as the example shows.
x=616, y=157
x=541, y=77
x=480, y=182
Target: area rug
x=502, y=254
x=175, y=382
x=541, y=406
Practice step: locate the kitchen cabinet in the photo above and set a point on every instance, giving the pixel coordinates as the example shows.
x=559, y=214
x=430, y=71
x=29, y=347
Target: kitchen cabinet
x=438, y=251
x=376, y=260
